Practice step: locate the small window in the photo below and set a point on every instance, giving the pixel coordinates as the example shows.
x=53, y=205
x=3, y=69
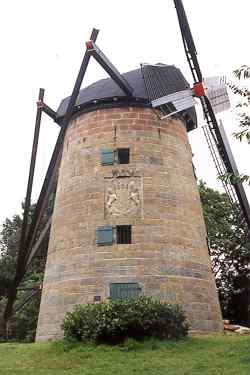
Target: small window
x=123, y=155
x=104, y=236
x=118, y=156
x=124, y=290
x=123, y=234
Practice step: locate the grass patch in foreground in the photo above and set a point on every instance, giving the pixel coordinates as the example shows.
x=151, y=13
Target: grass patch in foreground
x=210, y=355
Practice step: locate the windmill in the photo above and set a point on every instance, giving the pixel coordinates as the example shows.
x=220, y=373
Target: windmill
x=169, y=104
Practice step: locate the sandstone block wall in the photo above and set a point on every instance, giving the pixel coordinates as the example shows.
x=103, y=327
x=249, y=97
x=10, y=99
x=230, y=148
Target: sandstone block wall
x=156, y=194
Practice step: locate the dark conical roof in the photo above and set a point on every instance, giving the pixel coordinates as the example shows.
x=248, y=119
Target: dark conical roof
x=105, y=93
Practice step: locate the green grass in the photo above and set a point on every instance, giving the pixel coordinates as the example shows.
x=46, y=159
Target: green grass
x=213, y=355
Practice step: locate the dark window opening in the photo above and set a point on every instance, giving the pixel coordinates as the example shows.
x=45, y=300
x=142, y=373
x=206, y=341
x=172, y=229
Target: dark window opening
x=123, y=234
x=123, y=155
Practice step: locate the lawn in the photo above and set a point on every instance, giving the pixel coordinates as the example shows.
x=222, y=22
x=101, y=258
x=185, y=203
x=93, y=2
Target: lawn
x=213, y=355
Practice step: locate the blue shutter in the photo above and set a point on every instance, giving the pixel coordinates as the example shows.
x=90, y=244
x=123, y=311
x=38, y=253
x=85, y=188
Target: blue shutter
x=104, y=236
x=124, y=290
x=107, y=157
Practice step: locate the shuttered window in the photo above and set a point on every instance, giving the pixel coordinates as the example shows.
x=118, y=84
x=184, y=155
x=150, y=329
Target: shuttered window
x=104, y=236
x=107, y=157
x=124, y=290
x=118, y=156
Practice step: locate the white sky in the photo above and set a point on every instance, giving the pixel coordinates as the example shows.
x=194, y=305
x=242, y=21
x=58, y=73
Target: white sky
x=42, y=44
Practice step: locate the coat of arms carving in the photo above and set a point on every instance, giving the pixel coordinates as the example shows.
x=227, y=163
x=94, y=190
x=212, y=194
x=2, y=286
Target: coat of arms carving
x=123, y=197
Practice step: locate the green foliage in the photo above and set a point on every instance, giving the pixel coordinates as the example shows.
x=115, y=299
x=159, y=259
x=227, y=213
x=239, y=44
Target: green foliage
x=243, y=115
x=10, y=236
x=9, y=240
x=22, y=325
x=243, y=72
x=231, y=178
x=114, y=321
x=24, y=321
x=230, y=253
x=243, y=106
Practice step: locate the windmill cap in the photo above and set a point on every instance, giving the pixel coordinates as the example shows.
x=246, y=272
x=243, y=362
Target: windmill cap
x=105, y=93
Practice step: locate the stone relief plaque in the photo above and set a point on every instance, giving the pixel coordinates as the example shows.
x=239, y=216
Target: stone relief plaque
x=123, y=197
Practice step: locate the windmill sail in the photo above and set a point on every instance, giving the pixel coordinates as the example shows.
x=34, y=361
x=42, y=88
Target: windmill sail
x=216, y=91
x=215, y=133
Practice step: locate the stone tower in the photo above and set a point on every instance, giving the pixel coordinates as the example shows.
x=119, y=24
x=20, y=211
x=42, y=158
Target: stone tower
x=127, y=217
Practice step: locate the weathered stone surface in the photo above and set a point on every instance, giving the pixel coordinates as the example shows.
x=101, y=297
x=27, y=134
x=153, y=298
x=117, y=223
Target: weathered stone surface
x=155, y=193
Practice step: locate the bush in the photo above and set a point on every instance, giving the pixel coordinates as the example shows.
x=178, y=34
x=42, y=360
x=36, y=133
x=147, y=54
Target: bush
x=115, y=321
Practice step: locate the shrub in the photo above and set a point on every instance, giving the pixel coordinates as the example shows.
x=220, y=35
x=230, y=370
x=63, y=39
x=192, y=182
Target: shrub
x=114, y=321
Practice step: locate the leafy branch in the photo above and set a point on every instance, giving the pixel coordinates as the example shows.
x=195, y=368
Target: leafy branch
x=242, y=72
x=244, y=116
x=231, y=178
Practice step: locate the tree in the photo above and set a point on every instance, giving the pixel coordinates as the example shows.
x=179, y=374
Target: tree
x=9, y=242
x=243, y=115
x=244, y=106
x=23, y=323
x=230, y=253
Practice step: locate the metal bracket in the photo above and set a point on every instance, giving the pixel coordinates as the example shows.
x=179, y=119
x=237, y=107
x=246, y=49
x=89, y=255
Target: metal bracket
x=109, y=67
x=49, y=111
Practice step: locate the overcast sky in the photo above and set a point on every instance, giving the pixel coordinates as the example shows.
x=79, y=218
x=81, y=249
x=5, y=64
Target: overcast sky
x=42, y=44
